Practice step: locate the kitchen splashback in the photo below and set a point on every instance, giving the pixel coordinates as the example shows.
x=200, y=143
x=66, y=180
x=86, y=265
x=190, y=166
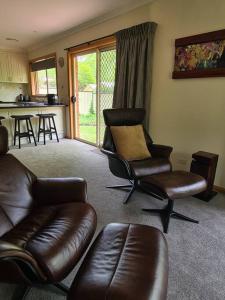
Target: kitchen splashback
x=9, y=91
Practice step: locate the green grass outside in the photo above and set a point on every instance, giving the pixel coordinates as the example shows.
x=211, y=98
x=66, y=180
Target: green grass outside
x=88, y=127
x=88, y=133
x=89, y=119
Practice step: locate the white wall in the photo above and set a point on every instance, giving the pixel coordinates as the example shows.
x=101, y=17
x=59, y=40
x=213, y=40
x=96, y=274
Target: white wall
x=187, y=113
x=10, y=91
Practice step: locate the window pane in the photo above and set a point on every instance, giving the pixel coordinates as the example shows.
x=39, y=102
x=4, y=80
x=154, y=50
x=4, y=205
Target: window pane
x=51, y=74
x=45, y=82
x=41, y=82
x=86, y=98
x=106, y=85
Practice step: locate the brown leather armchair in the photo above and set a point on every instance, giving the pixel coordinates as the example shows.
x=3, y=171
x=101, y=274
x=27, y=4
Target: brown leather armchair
x=159, y=161
x=45, y=224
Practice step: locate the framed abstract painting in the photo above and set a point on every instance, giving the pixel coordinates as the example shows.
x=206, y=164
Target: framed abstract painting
x=201, y=55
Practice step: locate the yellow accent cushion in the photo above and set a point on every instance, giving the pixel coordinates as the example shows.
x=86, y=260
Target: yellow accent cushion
x=130, y=142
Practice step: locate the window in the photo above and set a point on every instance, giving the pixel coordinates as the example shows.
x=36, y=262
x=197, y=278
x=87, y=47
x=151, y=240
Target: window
x=43, y=76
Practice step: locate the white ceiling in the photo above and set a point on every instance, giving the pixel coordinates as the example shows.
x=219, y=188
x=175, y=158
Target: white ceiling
x=33, y=21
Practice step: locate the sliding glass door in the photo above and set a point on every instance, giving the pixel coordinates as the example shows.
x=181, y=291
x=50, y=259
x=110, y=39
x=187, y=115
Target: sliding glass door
x=107, y=64
x=85, y=91
x=93, y=84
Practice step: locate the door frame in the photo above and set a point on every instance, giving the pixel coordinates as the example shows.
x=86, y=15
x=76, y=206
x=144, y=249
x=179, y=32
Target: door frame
x=98, y=45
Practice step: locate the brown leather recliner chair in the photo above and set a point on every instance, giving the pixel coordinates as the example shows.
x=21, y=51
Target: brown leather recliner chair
x=159, y=161
x=45, y=224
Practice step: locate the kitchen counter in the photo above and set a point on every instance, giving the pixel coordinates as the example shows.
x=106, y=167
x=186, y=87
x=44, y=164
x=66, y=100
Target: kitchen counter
x=28, y=105
x=32, y=108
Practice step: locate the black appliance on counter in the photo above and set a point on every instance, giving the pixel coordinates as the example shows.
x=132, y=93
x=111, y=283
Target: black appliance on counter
x=22, y=98
x=52, y=99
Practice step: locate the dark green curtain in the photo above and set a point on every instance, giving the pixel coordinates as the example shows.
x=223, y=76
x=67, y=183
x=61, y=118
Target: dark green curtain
x=134, y=47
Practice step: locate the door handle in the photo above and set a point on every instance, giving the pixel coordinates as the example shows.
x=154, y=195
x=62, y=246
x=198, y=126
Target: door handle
x=73, y=99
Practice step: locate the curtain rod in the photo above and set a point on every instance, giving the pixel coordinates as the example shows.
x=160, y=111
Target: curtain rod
x=89, y=42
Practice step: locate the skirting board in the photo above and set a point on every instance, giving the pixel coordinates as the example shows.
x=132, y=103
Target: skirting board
x=219, y=189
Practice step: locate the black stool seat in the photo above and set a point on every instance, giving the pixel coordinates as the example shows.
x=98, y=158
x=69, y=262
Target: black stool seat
x=51, y=126
x=171, y=186
x=1, y=118
x=29, y=129
x=45, y=115
x=22, y=117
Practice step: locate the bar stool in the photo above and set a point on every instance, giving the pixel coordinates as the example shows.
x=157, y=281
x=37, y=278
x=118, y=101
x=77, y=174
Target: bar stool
x=1, y=118
x=28, y=133
x=51, y=126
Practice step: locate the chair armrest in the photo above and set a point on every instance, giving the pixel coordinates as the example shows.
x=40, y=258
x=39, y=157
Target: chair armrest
x=6, y=247
x=160, y=150
x=116, y=157
x=48, y=191
x=4, y=147
x=17, y=255
x=111, y=154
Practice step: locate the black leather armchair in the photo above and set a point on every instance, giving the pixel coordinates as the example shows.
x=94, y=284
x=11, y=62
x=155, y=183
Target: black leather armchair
x=133, y=170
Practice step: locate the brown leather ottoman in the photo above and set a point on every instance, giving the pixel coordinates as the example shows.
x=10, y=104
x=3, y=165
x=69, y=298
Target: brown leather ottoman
x=171, y=186
x=126, y=262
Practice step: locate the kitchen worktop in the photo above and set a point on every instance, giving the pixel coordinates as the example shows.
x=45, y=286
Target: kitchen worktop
x=7, y=109
x=27, y=105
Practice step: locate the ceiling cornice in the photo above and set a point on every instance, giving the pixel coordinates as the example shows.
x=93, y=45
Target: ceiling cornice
x=13, y=50
x=86, y=25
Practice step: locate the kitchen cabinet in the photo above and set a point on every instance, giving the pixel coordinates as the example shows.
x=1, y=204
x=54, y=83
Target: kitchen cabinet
x=4, y=76
x=13, y=67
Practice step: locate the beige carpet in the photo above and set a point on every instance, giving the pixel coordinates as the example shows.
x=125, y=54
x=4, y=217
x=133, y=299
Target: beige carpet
x=197, y=252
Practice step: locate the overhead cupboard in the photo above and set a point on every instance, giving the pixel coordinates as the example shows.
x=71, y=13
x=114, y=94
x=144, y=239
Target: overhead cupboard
x=13, y=67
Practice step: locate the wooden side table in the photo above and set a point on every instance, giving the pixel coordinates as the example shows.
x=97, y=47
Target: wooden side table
x=204, y=164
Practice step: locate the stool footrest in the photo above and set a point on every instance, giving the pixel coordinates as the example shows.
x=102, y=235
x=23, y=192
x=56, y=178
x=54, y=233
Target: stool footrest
x=24, y=134
x=172, y=186
x=126, y=261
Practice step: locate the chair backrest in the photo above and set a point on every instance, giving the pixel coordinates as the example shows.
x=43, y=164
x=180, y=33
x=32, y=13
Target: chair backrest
x=122, y=117
x=3, y=140
x=16, y=183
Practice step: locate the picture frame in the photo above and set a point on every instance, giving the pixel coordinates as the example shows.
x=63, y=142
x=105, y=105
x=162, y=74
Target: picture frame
x=201, y=55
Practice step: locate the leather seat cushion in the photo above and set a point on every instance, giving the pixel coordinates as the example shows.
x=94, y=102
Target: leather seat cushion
x=149, y=166
x=126, y=261
x=56, y=236
x=176, y=184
